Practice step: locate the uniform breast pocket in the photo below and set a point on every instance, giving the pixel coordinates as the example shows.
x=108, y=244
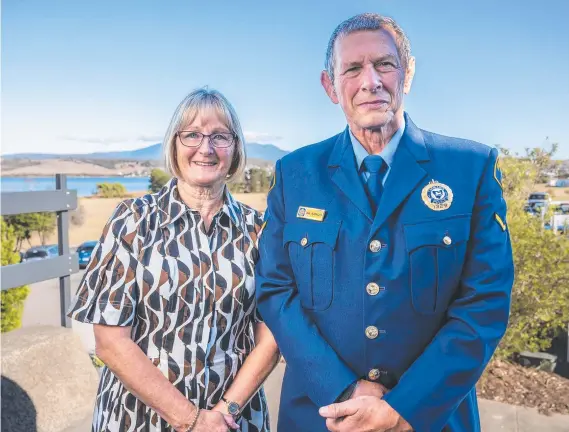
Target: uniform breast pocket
x=436, y=251
x=311, y=250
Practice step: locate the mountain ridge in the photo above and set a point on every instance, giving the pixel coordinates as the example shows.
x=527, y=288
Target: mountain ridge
x=268, y=152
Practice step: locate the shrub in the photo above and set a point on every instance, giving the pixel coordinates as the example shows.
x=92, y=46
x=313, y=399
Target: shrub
x=77, y=216
x=12, y=304
x=97, y=362
x=158, y=179
x=540, y=295
x=111, y=190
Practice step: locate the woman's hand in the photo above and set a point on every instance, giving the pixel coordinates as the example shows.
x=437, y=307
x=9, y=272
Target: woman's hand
x=212, y=421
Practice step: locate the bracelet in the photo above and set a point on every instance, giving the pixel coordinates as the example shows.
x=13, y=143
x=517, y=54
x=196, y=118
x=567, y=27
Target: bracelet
x=194, y=421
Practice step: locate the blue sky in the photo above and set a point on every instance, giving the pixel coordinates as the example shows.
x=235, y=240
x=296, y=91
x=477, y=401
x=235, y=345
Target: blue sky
x=82, y=76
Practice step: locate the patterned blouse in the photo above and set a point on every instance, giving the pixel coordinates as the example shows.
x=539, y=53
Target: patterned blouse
x=188, y=295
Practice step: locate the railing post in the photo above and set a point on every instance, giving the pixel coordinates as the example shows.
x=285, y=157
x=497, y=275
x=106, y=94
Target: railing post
x=63, y=243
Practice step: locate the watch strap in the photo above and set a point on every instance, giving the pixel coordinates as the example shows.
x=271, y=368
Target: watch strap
x=347, y=393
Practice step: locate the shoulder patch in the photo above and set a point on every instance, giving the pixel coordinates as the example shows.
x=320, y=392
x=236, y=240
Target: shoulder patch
x=265, y=220
x=500, y=221
x=273, y=182
x=498, y=172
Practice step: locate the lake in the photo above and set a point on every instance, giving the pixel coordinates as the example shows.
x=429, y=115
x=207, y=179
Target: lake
x=84, y=186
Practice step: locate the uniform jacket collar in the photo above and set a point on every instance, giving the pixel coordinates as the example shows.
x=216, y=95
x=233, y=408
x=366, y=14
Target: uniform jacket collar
x=406, y=171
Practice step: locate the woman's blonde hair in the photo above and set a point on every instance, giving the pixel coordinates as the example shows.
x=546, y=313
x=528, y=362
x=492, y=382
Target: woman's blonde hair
x=198, y=101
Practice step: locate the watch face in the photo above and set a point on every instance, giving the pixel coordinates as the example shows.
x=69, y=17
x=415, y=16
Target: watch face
x=233, y=408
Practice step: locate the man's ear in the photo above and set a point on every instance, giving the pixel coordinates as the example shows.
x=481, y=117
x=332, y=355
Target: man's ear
x=409, y=75
x=329, y=87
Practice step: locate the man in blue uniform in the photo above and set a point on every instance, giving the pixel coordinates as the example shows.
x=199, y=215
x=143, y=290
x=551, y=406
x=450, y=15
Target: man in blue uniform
x=385, y=266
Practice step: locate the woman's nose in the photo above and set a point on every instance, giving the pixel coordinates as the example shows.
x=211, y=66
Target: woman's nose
x=206, y=147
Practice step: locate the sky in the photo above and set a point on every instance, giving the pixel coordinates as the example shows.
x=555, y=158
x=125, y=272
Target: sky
x=85, y=76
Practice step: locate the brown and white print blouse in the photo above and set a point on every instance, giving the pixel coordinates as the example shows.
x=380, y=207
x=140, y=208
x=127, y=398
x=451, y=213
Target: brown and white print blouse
x=189, y=296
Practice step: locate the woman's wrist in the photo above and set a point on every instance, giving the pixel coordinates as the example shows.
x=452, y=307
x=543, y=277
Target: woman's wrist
x=194, y=420
x=221, y=407
x=184, y=422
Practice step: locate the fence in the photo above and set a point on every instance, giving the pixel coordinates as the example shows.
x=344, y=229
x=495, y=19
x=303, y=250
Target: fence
x=61, y=201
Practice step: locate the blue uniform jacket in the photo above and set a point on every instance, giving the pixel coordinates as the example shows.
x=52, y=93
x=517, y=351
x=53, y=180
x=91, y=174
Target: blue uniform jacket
x=416, y=298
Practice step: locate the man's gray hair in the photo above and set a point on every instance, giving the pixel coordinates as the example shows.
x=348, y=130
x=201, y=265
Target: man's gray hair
x=368, y=22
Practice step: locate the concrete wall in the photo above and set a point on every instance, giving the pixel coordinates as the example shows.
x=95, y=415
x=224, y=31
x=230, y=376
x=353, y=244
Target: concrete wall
x=48, y=381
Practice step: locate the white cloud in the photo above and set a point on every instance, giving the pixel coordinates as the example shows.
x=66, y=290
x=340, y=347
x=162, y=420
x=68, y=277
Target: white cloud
x=261, y=137
x=113, y=140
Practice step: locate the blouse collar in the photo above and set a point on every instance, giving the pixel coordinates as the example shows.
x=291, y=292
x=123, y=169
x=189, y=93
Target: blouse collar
x=172, y=206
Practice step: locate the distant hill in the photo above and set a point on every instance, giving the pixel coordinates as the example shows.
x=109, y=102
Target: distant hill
x=268, y=152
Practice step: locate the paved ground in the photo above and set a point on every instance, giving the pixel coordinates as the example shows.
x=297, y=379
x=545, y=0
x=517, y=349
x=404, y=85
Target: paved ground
x=42, y=308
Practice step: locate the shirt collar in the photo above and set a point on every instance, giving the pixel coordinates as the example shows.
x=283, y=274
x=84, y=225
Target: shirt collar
x=172, y=207
x=387, y=153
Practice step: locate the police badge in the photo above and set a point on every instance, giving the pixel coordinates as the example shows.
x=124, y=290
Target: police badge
x=437, y=196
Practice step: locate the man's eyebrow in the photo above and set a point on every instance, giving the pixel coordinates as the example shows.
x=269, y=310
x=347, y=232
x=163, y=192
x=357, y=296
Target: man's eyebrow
x=351, y=64
x=357, y=63
x=393, y=58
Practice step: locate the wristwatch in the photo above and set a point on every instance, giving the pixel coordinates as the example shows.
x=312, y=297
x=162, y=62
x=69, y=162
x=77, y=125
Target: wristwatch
x=233, y=408
x=347, y=394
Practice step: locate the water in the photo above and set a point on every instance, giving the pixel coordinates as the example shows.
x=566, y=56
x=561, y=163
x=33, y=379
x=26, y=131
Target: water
x=84, y=186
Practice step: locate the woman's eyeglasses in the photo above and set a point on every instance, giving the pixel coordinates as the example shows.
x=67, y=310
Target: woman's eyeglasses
x=195, y=139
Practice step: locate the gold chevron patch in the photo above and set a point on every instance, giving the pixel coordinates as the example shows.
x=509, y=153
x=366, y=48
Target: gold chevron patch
x=500, y=221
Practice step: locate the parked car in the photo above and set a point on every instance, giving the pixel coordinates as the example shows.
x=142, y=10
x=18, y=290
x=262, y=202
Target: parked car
x=541, y=199
x=40, y=252
x=536, y=208
x=84, y=252
x=561, y=208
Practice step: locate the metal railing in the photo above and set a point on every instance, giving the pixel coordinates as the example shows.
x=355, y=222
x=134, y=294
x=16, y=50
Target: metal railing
x=61, y=201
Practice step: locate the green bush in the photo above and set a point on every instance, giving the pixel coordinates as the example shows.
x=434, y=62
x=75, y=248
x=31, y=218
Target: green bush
x=158, y=179
x=12, y=305
x=540, y=295
x=97, y=362
x=111, y=190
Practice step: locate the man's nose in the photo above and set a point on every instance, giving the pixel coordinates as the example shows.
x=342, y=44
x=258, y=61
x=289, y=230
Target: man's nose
x=371, y=79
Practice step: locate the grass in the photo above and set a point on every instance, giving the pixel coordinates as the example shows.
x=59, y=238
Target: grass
x=557, y=193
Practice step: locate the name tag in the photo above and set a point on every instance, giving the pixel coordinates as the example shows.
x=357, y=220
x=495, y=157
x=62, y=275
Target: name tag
x=311, y=213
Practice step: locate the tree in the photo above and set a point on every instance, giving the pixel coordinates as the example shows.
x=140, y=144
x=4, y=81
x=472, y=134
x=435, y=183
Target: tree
x=45, y=224
x=12, y=300
x=540, y=295
x=158, y=179
x=24, y=225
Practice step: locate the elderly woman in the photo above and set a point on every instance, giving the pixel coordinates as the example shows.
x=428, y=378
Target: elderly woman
x=170, y=291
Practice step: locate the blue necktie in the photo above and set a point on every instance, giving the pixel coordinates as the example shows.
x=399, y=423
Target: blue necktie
x=376, y=167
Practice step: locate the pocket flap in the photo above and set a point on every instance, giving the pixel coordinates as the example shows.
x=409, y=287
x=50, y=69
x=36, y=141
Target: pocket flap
x=444, y=233
x=307, y=233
